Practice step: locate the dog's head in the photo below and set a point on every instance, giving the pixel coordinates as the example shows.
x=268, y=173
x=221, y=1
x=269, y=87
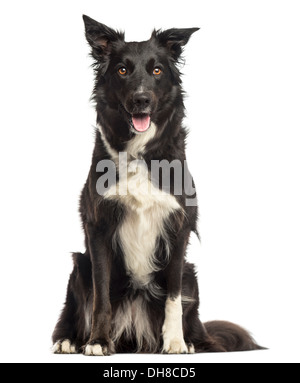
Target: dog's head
x=137, y=82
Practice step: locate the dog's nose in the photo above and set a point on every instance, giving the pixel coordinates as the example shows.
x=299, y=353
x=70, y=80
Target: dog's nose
x=142, y=100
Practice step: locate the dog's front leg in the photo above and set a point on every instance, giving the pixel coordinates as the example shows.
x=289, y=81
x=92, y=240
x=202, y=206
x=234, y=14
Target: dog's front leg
x=173, y=337
x=99, y=342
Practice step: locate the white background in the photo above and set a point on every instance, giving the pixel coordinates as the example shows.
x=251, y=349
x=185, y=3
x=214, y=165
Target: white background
x=242, y=78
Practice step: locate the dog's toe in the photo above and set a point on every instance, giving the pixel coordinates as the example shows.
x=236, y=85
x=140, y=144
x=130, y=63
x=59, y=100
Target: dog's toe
x=96, y=350
x=191, y=348
x=64, y=347
x=93, y=349
x=175, y=346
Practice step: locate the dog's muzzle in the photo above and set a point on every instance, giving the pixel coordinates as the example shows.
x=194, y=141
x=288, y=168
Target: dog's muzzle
x=141, y=106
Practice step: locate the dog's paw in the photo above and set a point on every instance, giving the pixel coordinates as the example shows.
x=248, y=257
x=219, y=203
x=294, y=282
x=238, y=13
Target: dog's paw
x=64, y=346
x=95, y=350
x=175, y=346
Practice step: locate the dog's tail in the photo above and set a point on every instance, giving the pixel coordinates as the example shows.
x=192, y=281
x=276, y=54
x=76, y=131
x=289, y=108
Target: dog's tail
x=227, y=336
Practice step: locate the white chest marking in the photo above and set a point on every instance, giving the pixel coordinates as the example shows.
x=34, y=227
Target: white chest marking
x=147, y=211
x=139, y=233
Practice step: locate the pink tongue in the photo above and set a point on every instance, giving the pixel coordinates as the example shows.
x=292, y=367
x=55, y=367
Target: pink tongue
x=141, y=123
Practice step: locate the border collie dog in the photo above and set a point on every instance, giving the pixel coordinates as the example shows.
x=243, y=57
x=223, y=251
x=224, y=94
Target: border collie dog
x=132, y=290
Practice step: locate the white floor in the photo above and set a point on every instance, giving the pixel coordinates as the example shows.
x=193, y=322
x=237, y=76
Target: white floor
x=15, y=353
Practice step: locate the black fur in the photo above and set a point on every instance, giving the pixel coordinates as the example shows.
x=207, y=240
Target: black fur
x=100, y=285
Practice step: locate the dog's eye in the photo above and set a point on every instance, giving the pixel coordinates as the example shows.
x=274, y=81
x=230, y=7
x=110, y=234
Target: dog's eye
x=122, y=71
x=157, y=71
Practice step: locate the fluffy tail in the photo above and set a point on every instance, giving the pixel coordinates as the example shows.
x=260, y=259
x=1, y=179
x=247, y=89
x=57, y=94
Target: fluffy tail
x=228, y=336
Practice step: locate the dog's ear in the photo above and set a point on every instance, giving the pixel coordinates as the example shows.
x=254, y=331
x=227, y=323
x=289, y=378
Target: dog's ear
x=100, y=37
x=174, y=39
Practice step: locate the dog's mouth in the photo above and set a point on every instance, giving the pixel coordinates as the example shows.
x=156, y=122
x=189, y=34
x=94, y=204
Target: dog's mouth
x=140, y=122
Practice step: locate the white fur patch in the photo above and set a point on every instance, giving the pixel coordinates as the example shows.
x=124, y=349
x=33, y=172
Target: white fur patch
x=172, y=328
x=112, y=152
x=56, y=348
x=191, y=349
x=64, y=347
x=147, y=210
x=131, y=320
x=143, y=224
x=95, y=350
x=136, y=146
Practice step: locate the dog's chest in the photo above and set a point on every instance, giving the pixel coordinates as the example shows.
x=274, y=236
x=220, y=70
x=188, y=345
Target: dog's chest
x=147, y=210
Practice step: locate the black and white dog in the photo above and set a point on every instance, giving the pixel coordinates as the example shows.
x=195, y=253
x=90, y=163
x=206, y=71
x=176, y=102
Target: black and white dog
x=132, y=290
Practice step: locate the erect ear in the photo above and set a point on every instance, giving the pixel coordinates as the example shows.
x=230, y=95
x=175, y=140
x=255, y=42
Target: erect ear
x=100, y=37
x=174, y=39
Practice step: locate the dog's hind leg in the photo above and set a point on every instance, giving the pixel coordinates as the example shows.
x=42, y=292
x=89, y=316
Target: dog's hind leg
x=195, y=334
x=71, y=330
